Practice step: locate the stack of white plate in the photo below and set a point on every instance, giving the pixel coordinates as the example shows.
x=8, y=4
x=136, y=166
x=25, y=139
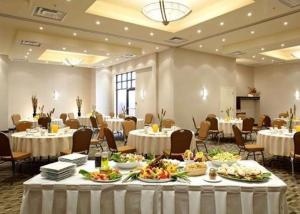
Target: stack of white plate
x=58, y=170
x=78, y=159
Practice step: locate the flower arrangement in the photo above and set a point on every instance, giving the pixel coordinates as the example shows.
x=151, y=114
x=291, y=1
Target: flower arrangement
x=227, y=112
x=79, y=104
x=290, y=122
x=34, y=101
x=94, y=110
x=41, y=110
x=252, y=91
x=50, y=113
x=161, y=117
x=124, y=110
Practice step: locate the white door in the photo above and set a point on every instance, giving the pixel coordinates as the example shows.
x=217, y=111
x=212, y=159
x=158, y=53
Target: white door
x=227, y=100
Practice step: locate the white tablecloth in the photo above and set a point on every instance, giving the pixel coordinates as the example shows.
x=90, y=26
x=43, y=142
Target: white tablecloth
x=79, y=195
x=226, y=126
x=85, y=121
x=43, y=146
x=115, y=124
x=35, y=124
x=276, y=144
x=152, y=143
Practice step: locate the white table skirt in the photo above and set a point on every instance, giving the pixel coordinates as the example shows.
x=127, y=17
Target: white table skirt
x=78, y=195
x=152, y=144
x=85, y=121
x=226, y=126
x=275, y=144
x=115, y=124
x=41, y=146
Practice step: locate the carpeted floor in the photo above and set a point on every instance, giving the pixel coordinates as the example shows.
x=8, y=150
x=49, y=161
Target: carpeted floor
x=11, y=192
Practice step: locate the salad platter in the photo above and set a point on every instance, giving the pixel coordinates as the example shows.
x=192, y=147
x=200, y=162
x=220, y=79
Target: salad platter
x=107, y=176
x=219, y=157
x=126, y=161
x=243, y=173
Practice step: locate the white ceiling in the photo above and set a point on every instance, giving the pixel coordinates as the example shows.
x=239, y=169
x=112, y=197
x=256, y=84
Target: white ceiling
x=274, y=25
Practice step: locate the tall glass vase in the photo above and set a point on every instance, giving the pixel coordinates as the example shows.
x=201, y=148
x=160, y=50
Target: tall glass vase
x=79, y=112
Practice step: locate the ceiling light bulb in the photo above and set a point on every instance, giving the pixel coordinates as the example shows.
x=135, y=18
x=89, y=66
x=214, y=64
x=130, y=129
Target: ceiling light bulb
x=30, y=49
x=285, y=23
x=74, y=34
x=157, y=48
x=126, y=28
x=222, y=23
x=26, y=56
x=27, y=53
x=84, y=51
x=64, y=48
x=129, y=43
x=217, y=50
x=296, y=54
x=253, y=56
x=98, y=22
x=223, y=40
x=200, y=46
x=272, y=60
x=252, y=32
x=262, y=49
x=199, y=31
x=151, y=34
x=107, y=54
x=41, y=28
x=106, y=39
x=249, y=14
x=282, y=45
x=263, y=58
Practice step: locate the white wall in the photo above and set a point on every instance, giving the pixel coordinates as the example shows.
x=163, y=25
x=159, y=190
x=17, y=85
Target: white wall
x=104, y=91
x=277, y=85
x=3, y=92
x=27, y=79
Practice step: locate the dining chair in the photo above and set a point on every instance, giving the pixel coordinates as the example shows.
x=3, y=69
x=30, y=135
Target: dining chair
x=148, y=119
x=100, y=138
x=63, y=116
x=112, y=114
x=214, y=131
x=266, y=121
x=211, y=115
x=134, y=119
x=72, y=123
x=168, y=123
x=295, y=154
x=202, y=135
x=259, y=125
x=195, y=126
x=99, y=118
x=112, y=146
x=23, y=125
x=249, y=148
x=128, y=126
x=247, y=128
x=15, y=119
x=180, y=142
x=71, y=116
x=44, y=122
x=6, y=155
x=81, y=142
x=278, y=123
x=241, y=115
x=122, y=116
x=283, y=115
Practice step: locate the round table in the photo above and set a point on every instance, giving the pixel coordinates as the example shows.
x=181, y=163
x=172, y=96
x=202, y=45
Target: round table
x=226, y=125
x=84, y=121
x=35, y=124
x=152, y=143
x=115, y=124
x=278, y=142
x=42, y=146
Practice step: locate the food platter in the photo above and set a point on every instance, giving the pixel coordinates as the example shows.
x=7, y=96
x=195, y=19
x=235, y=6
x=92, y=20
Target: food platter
x=231, y=177
x=129, y=165
x=106, y=181
x=155, y=180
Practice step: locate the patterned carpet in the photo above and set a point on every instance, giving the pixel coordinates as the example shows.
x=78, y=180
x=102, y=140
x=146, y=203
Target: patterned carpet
x=11, y=192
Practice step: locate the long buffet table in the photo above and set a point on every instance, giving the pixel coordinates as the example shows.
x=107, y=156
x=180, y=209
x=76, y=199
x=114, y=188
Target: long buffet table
x=78, y=195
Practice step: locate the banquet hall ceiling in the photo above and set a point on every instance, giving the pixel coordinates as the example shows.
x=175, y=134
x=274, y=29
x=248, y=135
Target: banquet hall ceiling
x=243, y=30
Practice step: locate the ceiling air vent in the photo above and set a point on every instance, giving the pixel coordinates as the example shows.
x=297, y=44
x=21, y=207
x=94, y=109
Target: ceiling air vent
x=128, y=56
x=237, y=53
x=176, y=40
x=49, y=13
x=30, y=43
x=291, y=3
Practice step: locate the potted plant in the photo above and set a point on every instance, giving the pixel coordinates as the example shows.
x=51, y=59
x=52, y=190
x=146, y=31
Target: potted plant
x=161, y=117
x=79, y=104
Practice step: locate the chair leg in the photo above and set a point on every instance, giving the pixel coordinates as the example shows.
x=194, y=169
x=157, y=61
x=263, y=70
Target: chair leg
x=263, y=157
x=292, y=162
x=13, y=166
x=247, y=156
x=205, y=147
x=197, y=147
x=254, y=156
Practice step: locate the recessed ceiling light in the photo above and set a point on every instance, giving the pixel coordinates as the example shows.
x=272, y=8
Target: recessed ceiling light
x=199, y=31
x=273, y=60
x=102, y=64
x=106, y=39
x=143, y=52
x=223, y=40
x=262, y=49
x=253, y=56
x=263, y=58
x=84, y=51
x=222, y=23
x=30, y=49
x=157, y=48
x=107, y=54
x=64, y=48
x=27, y=53
x=47, y=62
x=68, y=0
x=249, y=14
x=282, y=45
x=252, y=32
x=217, y=50
x=26, y=56
x=129, y=43
x=285, y=23
x=74, y=34
x=126, y=28
x=151, y=34
x=200, y=46
x=41, y=28
x=98, y=22
x=117, y=59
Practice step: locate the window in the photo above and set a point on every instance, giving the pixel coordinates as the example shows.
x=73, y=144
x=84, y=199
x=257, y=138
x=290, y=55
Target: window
x=125, y=92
